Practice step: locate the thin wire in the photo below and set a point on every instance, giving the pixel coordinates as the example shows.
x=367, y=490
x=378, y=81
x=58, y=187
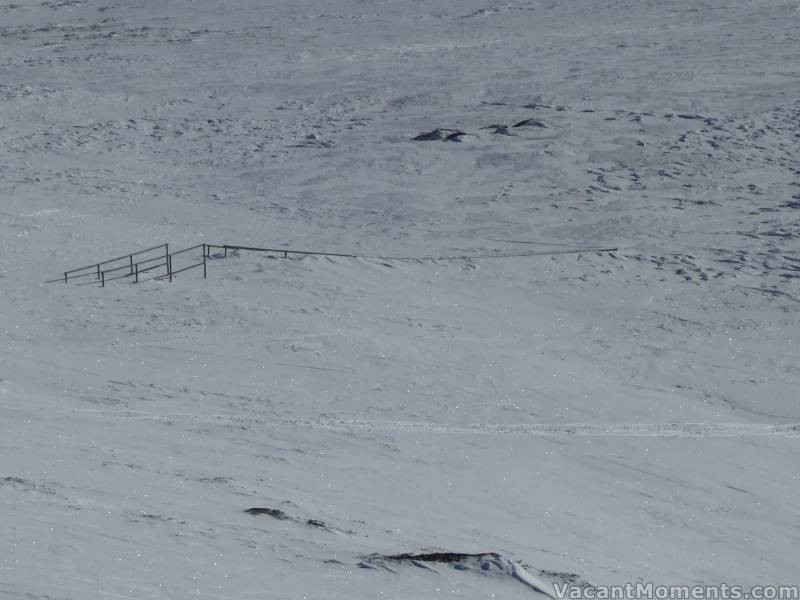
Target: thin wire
x=423, y=258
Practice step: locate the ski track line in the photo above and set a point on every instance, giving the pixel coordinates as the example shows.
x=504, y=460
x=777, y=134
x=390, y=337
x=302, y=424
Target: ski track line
x=684, y=430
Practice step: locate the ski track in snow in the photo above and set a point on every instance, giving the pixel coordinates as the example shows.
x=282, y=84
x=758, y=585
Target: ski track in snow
x=669, y=430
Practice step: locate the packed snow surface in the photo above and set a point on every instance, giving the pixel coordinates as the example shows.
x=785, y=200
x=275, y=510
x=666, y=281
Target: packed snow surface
x=411, y=422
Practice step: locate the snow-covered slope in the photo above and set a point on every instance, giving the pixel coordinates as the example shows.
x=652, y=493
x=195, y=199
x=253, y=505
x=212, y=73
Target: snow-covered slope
x=586, y=416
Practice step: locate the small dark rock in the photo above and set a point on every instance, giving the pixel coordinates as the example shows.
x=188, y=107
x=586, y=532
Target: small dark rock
x=440, y=135
x=317, y=523
x=436, y=135
x=271, y=512
x=530, y=123
x=456, y=136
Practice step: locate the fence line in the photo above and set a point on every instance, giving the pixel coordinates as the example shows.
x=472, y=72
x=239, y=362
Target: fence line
x=135, y=269
x=286, y=252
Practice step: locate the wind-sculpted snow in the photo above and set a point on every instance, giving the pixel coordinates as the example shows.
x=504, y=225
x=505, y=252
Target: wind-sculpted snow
x=487, y=563
x=556, y=334
x=278, y=514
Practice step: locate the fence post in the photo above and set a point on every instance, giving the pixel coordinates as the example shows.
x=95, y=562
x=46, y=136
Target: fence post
x=169, y=267
x=204, y=262
x=166, y=259
x=65, y=278
x=98, y=271
x=131, y=259
x=102, y=279
x=136, y=274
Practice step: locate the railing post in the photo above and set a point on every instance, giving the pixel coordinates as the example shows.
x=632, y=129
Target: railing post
x=131, y=259
x=65, y=278
x=102, y=279
x=136, y=274
x=166, y=259
x=169, y=267
x=98, y=271
x=204, y=262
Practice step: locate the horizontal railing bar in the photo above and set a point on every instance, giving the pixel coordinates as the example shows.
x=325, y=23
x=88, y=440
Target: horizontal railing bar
x=200, y=264
x=187, y=249
x=252, y=249
x=174, y=272
x=93, y=272
x=105, y=262
x=148, y=260
x=107, y=279
x=152, y=268
x=117, y=269
x=286, y=251
x=93, y=267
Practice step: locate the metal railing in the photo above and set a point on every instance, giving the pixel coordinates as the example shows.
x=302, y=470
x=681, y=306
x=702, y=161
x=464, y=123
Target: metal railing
x=171, y=272
x=97, y=272
x=286, y=252
x=135, y=269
